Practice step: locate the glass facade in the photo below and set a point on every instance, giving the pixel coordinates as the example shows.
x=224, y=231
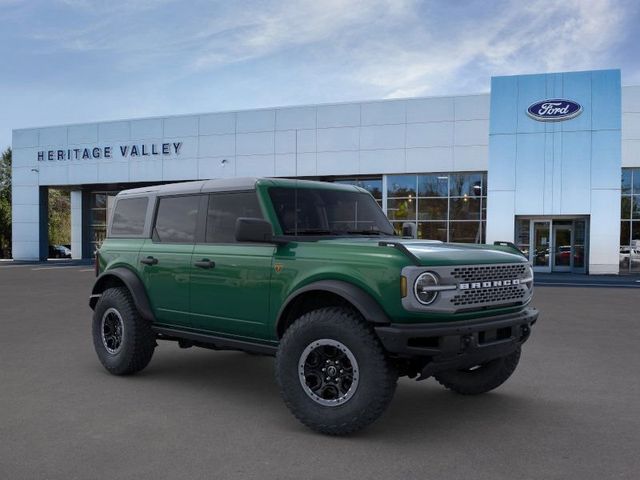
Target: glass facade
x=100, y=205
x=630, y=221
x=444, y=206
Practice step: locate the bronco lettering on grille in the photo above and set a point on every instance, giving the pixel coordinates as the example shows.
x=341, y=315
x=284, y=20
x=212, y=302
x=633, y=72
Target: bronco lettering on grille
x=488, y=284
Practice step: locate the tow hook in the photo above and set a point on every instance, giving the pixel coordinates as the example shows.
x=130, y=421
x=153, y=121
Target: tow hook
x=466, y=341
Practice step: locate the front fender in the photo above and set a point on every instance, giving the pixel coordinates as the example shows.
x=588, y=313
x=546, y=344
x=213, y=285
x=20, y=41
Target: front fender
x=361, y=300
x=133, y=284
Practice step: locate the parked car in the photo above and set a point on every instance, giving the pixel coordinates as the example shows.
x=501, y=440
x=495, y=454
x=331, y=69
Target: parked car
x=629, y=256
x=312, y=273
x=59, y=251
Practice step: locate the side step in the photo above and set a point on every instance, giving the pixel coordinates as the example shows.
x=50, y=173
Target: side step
x=215, y=342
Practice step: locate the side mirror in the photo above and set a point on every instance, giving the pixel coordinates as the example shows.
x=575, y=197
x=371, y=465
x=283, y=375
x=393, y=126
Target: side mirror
x=409, y=230
x=254, y=230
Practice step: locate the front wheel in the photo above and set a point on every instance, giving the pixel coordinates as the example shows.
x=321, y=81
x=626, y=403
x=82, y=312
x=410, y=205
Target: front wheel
x=333, y=373
x=480, y=378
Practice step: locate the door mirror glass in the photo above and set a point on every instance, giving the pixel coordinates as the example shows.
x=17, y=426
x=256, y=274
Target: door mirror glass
x=254, y=230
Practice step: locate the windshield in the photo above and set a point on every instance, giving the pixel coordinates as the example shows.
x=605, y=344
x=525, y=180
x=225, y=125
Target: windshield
x=317, y=211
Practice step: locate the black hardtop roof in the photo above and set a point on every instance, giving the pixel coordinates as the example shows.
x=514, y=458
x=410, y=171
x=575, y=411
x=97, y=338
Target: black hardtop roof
x=229, y=184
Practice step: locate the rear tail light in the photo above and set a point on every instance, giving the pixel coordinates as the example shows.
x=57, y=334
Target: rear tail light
x=97, y=264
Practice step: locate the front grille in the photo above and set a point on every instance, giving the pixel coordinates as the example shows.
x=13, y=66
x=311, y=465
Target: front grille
x=509, y=294
x=480, y=273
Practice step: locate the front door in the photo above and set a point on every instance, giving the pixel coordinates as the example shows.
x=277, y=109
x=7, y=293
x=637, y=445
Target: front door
x=230, y=281
x=562, y=248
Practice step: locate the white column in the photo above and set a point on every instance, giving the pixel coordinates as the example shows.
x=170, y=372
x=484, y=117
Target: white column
x=76, y=224
x=25, y=238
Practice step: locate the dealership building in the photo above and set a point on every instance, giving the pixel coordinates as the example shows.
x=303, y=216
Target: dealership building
x=550, y=162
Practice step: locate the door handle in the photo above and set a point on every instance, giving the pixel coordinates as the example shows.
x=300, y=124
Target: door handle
x=149, y=260
x=205, y=263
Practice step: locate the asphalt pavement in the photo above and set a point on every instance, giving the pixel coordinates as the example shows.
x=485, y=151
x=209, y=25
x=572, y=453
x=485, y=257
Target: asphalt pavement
x=570, y=411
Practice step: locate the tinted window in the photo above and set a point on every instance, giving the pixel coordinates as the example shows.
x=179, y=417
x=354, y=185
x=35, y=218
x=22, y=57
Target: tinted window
x=318, y=211
x=129, y=215
x=224, y=210
x=176, y=219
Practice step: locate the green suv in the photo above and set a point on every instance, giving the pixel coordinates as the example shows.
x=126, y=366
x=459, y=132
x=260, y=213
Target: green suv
x=314, y=274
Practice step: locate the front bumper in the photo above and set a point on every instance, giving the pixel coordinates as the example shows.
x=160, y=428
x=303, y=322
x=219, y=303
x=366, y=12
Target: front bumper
x=454, y=345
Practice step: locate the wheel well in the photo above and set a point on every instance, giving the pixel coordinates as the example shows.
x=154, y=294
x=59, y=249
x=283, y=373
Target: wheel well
x=307, y=302
x=110, y=281
x=103, y=284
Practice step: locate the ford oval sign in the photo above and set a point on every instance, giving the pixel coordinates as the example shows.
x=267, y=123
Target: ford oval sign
x=554, y=110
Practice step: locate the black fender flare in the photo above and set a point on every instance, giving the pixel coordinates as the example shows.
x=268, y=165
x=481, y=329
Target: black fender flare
x=133, y=284
x=368, y=307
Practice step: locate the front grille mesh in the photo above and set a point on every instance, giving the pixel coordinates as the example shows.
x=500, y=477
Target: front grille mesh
x=509, y=294
x=480, y=273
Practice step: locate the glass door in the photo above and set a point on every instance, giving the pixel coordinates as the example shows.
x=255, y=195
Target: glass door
x=579, y=245
x=540, y=257
x=562, y=248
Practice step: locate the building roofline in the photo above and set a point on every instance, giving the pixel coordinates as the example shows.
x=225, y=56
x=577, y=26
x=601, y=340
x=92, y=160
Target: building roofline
x=280, y=107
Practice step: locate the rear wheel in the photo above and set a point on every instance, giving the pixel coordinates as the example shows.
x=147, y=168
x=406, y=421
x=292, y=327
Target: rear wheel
x=122, y=339
x=332, y=372
x=480, y=378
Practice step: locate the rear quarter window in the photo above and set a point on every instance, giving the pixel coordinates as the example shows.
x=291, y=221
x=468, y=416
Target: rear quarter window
x=129, y=216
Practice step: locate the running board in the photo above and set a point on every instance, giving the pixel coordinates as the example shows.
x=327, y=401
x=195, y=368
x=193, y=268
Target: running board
x=214, y=341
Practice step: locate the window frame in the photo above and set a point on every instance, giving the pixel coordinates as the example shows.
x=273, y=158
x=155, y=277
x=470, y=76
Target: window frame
x=204, y=217
x=143, y=233
x=198, y=230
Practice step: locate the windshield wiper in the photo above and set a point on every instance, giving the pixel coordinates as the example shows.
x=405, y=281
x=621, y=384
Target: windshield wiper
x=324, y=231
x=365, y=232
x=309, y=231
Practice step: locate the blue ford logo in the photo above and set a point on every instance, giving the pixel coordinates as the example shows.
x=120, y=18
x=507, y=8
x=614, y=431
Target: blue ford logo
x=554, y=110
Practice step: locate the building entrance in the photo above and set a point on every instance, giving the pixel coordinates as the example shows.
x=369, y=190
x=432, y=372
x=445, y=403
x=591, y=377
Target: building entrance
x=554, y=244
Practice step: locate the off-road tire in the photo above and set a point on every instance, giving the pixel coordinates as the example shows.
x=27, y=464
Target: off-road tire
x=138, y=340
x=377, y=376
x=482, y=379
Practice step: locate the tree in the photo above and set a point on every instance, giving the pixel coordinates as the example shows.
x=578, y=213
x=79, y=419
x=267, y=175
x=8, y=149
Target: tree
x=5, y=204
x=59, y=217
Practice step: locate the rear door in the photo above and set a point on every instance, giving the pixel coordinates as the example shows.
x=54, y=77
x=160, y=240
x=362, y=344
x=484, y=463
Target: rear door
x=230, y=280
x=165, y=259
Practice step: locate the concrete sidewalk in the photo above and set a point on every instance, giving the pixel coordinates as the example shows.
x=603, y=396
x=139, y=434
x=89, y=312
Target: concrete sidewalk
x=574, y=280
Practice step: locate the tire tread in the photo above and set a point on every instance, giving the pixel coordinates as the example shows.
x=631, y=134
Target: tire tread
x=141, y=337
x=365, y=335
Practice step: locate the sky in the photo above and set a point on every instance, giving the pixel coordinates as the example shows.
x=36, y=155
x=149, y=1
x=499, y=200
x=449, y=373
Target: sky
x=75, y=61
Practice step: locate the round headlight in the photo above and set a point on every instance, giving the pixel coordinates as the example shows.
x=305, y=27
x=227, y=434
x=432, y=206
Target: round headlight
x=423, y=288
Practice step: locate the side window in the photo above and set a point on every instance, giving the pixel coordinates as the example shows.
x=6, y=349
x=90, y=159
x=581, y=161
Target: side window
x=129, y=215
x=224, y=210
x=176, y=219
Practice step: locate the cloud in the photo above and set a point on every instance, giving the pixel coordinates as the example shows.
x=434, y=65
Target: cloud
x=539, y=37
x=77, y=60
x=391, y=48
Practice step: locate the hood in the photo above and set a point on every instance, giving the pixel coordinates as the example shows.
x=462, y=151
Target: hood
x=431, y=253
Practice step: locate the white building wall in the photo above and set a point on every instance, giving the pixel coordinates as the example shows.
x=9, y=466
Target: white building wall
x=438, y=134
x=631, y=126
x=76, y=224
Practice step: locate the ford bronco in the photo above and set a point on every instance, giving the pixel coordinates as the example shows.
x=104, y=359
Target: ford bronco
x=314, y=274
